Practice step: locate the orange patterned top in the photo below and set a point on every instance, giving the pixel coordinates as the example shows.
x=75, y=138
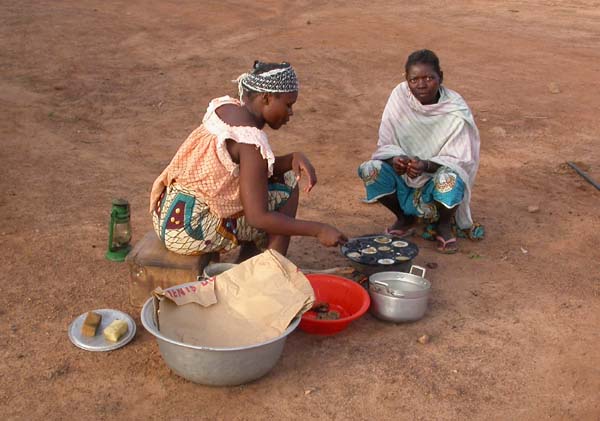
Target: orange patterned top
x=204, y=165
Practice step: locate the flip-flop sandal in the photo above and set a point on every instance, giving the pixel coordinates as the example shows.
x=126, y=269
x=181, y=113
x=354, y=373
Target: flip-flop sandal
x=401, y=233
x=443, y=245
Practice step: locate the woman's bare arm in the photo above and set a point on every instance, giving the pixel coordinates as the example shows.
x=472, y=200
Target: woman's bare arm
x=254, y=196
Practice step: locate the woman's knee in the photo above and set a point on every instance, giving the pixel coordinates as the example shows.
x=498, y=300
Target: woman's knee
x=447, y=180
x=368, y=171
x=449, y=188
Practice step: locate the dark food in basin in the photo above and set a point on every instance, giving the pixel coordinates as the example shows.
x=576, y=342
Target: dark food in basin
x=330, y=315
x=320, y=307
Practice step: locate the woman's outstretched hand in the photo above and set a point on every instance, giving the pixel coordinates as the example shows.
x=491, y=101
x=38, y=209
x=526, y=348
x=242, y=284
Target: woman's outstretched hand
x=330, y=236
x=415, y=167
x=301, y=164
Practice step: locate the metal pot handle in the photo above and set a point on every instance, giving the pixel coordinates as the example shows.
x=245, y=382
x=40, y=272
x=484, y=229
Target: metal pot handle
x=382, y=284
x=422, y=269
x=388, y=290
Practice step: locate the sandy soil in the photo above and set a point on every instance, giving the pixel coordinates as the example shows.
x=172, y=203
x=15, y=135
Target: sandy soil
x=95, y=97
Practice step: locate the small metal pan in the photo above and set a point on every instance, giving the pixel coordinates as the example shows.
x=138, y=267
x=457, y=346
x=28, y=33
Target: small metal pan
x=390, y=249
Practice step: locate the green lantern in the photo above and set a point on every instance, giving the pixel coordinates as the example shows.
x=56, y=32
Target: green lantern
x=119, y=231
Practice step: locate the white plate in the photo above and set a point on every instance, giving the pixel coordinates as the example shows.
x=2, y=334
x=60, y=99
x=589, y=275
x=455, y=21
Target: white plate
x=98, y=343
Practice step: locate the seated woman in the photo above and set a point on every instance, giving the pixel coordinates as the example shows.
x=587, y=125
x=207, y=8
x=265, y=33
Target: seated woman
x=427, y=156
x=225, y=188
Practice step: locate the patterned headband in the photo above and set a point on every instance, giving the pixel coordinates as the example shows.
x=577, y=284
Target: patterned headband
x=272, y=81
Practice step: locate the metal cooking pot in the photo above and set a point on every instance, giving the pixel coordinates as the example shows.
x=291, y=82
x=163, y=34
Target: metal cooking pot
x=215, y=269
x=217, y=366
x=399, y=296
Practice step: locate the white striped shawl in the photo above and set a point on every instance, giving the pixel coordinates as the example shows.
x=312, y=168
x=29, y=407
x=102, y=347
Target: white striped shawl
x=444, y=133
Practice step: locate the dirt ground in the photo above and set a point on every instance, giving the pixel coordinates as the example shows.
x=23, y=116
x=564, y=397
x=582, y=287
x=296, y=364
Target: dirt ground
x=95, y=98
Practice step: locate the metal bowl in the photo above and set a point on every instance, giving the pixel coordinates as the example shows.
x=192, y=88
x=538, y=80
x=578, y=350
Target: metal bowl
x=217, y=366
x=215, y=269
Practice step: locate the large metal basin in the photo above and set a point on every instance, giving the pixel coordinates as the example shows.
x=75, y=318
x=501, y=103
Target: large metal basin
x=217, y=366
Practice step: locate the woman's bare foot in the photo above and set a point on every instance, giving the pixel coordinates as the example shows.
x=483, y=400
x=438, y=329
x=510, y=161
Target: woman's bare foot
x=447, y=243
x=403, y=223
x=448, y=246
x=445, y=230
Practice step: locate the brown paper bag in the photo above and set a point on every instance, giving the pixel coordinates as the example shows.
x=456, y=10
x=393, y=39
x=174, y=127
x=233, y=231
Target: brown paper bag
x=200, y=292
x=256, y=301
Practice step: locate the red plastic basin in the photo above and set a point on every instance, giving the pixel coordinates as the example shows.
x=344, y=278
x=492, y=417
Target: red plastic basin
x=343, y=295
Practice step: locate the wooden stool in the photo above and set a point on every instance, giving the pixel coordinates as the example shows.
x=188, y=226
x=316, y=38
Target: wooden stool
x=151, y=265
